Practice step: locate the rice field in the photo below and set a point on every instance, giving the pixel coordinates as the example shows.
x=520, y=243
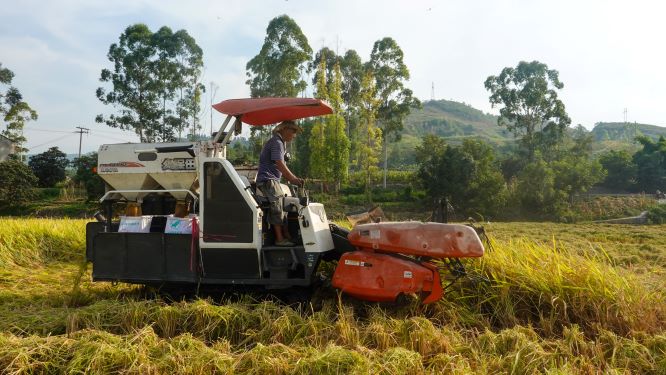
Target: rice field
x=548, y=298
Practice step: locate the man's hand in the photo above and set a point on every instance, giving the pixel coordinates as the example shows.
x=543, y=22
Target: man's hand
x=298, y=181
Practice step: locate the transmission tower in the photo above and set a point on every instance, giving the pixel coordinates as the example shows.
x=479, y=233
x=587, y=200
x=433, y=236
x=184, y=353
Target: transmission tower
x=432, y=92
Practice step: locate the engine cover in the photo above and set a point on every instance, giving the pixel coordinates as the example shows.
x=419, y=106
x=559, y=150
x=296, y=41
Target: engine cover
x=382, y=278
x=433, y=240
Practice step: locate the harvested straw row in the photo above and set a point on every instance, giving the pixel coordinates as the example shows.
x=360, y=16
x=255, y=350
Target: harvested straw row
x=517, y=350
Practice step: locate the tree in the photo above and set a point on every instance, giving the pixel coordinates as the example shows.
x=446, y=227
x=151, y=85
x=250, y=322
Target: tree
x=395, y=101
x=319, y=166
x=49, y=166
x=650, y=164
x=370, y=136
x=353, y=71
x=329, y=59
x=575, y=170
x=531, y=108
x=189, y=69
x=329, y=145
x=149, y=69
x=534, y=190
x=14, y=111
x=18, y=183
x=620, y=170
x=338, y=145
x=85, y=175
x=466, y=175
x=276, y=70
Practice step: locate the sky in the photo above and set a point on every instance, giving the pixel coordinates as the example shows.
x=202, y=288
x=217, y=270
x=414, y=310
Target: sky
x=610, y=54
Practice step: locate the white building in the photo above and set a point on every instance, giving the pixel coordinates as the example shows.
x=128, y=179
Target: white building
x=6, y=147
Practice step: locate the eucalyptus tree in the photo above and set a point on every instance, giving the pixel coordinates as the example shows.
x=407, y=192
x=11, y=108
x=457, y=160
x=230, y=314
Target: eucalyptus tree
x=395, y=100
x=151, y=78
x=135, y=86
x=330, y=58
x=369, y=135
x=277, y=69
x=14, y=111
x=530, y=108
x=329, y=144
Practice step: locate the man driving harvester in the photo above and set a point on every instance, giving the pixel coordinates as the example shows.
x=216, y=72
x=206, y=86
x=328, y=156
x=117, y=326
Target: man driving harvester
x=272, y=166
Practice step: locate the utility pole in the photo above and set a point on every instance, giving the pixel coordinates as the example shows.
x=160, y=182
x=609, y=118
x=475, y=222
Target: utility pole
x=81, y=131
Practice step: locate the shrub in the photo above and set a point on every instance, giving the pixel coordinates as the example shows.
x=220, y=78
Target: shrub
x=49, y=166
x=18, y=184
x=657, y=214
x=87, y=177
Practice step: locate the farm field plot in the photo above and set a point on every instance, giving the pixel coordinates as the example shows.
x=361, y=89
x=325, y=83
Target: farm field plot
x=549, y=298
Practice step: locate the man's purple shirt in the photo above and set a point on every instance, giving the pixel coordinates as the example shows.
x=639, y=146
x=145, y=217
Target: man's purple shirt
x=272, y=152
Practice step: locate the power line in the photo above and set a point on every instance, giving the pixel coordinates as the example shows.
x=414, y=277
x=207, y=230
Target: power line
x=112, y=138
x=114, y=133
x=45, y=130
x=51, y=141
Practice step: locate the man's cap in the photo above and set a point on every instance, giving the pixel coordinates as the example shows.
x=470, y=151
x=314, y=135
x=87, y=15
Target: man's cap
x=287, y=125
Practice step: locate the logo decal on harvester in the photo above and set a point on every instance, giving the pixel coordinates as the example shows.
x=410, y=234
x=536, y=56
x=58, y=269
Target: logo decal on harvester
x=178, y=164
x=357, y=263
x=113, y=167
x=407, y=274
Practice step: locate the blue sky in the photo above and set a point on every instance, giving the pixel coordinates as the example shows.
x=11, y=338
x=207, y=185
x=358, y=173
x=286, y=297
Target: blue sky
x=609, y=54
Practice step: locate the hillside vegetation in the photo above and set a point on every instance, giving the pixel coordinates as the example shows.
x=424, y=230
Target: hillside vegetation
x=534, y=305
x=625, y=132
x=454, y=120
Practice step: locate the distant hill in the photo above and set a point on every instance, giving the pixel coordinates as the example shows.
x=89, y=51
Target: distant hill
x=454, y=121
x=625, y=132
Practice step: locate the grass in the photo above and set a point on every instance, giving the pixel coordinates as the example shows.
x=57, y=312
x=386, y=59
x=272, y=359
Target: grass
x=549, y=298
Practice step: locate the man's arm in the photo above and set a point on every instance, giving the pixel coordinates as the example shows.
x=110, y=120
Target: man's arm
x=282, y=167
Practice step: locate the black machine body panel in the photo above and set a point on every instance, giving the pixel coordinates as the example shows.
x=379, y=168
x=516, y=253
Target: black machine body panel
x=143, y=257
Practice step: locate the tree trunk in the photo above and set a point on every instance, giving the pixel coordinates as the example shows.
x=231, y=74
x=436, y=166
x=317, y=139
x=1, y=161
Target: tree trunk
x=385, y=161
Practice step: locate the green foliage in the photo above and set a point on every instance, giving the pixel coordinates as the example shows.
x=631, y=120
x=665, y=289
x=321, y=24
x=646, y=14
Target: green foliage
x=14, y=112
x=626, y=132
x=575, y=171
x=534, y=190
x=466, y=175
x=319, y=162
x=657, y=214
x=530, y=106
x=547, y=189
x=18, y=183
x=369, y=135
x=154, y=82
x=390, y=73
x=574, y=175
x=85, y=175
x=620, y=170
x=650, y=162
x=454, y=121
x=276, y=70
x=49, y=166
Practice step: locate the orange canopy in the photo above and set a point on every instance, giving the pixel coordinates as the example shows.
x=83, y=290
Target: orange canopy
x=266, y=111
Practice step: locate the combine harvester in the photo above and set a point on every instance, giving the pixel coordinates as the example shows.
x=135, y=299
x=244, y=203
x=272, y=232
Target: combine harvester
x=181, y=214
